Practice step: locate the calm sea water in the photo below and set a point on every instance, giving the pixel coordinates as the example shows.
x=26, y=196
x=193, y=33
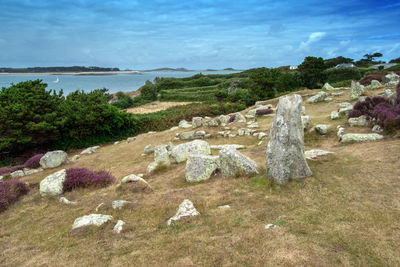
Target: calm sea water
x=114, y=83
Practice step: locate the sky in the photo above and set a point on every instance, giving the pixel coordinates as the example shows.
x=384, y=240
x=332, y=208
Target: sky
x=195, y=34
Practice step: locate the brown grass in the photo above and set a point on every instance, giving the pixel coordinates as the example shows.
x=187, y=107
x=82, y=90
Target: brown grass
x=347, y=213
x=155, y=106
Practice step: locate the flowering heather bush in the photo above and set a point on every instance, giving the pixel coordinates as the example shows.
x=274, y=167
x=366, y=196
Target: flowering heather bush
x=33, y=162
x=381, y=109
x=80, y=177
x=367, y=79
x=232, y=119
x=260, y=112
x=8, y=170
x=10, y=192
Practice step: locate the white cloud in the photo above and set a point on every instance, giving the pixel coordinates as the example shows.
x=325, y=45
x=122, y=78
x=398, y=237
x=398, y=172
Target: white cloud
x=313, y=38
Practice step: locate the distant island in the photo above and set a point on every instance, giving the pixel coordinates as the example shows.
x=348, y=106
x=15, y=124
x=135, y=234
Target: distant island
x=56, y=69
x=187, y=70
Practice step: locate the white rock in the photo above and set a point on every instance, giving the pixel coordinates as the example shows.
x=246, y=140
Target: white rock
x=305, y=121
x=53, y=184
x=161, y=155
x=186, y=209
x=17, y=174
x=328, y=87
x=99, y=206
x=89, y=150
x=318, y=97
x=119, y=226
x=391, y=79
x=174, y=128
x=334, y=115
x=92, y=219
x=197, y=147
x=66, y=201
x=377, y=129
x=232, y=163
x=200, y=167
x=32, y=171
x=232, y=146
x=187, y=135
x=130, y=139
x=356, y=90
x=151, y=167
x=315, y=153
x=340, y=132
x=53, y=159
x=322, y=129
x=349, y=138
x=119, y=204
x=224, y=207
x=148, y=149
x=260, y=143
x=270, y=226
x=1, y=177
x=359, y=121
x=75, y=158
x=261, y=135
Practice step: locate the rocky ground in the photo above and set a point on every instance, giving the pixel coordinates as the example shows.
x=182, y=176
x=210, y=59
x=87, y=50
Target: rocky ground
x=346, y=213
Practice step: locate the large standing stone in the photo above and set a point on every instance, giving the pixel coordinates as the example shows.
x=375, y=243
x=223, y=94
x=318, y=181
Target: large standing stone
x=53, y=159
x=197, y=147
x=318, y=97
x=356, y=90
x=161, y=155
x=186, y=209
x=232, y=163
x=285, y=151
x=200, y=167
x=92, y=219
x=53, y=184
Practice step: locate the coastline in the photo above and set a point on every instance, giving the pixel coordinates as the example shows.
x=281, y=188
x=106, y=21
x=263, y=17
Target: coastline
x=94, y=73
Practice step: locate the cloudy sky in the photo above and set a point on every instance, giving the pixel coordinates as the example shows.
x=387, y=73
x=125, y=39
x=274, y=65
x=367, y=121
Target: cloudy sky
x=143, y=34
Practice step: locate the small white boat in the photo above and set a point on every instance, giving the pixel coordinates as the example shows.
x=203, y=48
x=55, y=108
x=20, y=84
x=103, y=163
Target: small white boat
x=56, y=81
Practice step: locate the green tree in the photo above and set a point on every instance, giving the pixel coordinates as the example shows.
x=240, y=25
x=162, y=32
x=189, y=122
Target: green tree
x=332, y=62
x=148, y=91
x=28, y=116
x=312, y=72
x=262, y=82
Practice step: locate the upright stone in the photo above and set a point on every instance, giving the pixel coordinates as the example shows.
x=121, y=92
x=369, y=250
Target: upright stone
x=161, y=155
x=285, y=151
x=356, y=90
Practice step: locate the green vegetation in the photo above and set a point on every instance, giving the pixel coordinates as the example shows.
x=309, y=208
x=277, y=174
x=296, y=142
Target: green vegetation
x=312, y=71
x=334, y=75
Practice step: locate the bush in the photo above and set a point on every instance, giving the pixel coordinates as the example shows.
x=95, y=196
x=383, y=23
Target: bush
x=148, y=91
x=10, y=192
x=384, y=111
x=33, y=162
x=367, y=79
x=81, y=178
x=243, y=96
x=262, y=83
x=346, y=83
x=260, y=112
x=8, y=170
x=312, y=72
x=124, y=101
x=342, y=74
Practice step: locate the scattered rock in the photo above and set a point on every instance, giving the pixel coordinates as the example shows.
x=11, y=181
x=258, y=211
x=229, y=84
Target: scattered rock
x=233, y=163
x=75, y=158
x=130, y=139
x=200, y=167
x=340, y=132
x=322, y=129
x=328, y=87
x=1, y=177
x=151, y=167
x=187, y=135
x=316, y=153
x=359, y=121
x=184, y=124
x=92, y=219
x=116, y=143
x=356, y=90
x=270, y=226
x=136, y=184
x=119, y=226
x=89, y=150
x=285, y=151
x=53, y=184
x=224, y=207
x=387, y=92
x=66, y=201
x=238, y=117
x=374, y=84
x=199, y=134
x=223, y=119
x=338, y=94
x=17, y=174
x=53, y=159
x=334, y=115
x=170, y=146
x=261, y=135
x=119, y=204
x=197, y=147
x=391, y=79
x=197, y=122
x=186, y=209
x=230, y=146
x=377, y=129
x=148, y=149
x=345, y=109
x=174, y=128
x=319, y=97
x=151, y=132
x=161, y=155
x=358, y=137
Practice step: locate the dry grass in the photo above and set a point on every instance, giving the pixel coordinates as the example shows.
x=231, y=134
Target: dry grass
x=347, y=213
x=155, y=106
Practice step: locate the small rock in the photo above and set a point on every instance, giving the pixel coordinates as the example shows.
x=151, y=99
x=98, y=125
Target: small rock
x=224, y=207
x=200, y=167
x=187, y=135
x=199, y=134
x=377, y=129
x=151, y=167
x=260, y=143
x=119, y=226
x=17, y=174
x=232, y=163
x=116, y=143
x=53, y=184
x=130, y=139
x=99, y=206
x=319, y=97
x=75, y=158
x=261, y=135
x=148, y=149
x=270, y=226
x=89, y=150
x=352, y=137
x=322, y=129
x=151, y=132
x=360, y=121
x=231, y=146
x=186, y=209
x=305, y=120
x=137, y=183
x=174, y=128
x=334, y=115
x=328, y=87
x=119, y=204
x=340, y=132
x=315, y=153
x=66, y=201
x=53, y=159
x=197, y=122
x=161, y=155
x=337, y=94
x=92, y=219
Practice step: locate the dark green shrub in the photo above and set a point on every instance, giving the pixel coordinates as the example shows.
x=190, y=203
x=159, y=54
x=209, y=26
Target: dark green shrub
x=288, y=82
x=124, y=101
x=148, y=91
x=342, y=74
x=242, y=96
x=262, y=83
x=312, y=72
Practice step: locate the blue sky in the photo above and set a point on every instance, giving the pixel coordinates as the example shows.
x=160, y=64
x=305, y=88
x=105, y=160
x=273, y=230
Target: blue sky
x=194, y=34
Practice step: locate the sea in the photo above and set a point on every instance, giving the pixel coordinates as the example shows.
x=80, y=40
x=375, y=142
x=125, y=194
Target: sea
x=125, y=82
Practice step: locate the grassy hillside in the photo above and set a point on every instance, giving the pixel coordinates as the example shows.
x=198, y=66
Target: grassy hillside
x=347, y=213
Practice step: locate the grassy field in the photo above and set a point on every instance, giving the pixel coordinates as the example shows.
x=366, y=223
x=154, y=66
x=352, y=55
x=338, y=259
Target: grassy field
x=347, y=213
